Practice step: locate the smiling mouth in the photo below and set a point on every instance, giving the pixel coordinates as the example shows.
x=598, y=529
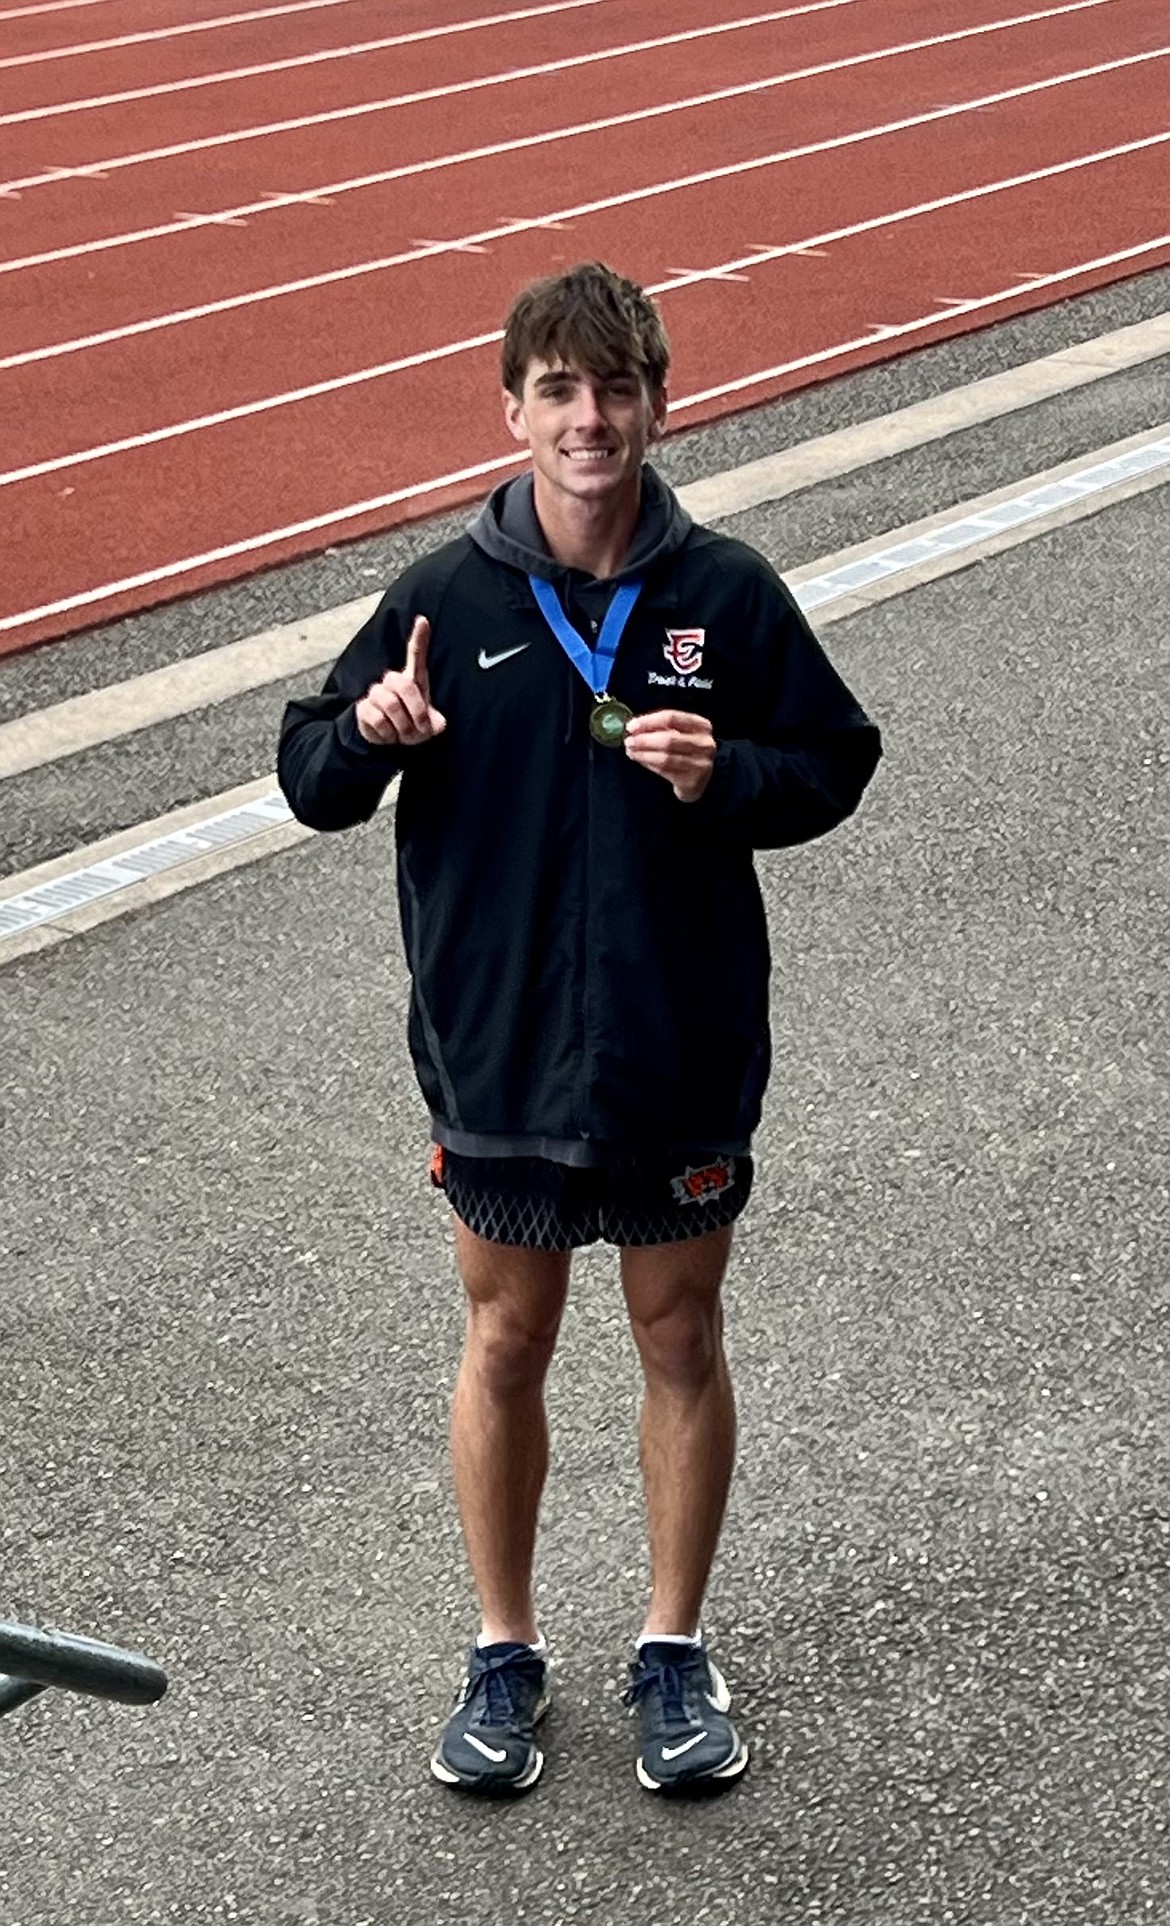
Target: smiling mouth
x=589, y=454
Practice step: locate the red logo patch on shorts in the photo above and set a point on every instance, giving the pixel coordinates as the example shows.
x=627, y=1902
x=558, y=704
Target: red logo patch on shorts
x=698, y=1186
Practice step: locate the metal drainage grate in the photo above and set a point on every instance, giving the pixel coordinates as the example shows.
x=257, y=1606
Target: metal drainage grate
x=48, y=901
x=970, y=530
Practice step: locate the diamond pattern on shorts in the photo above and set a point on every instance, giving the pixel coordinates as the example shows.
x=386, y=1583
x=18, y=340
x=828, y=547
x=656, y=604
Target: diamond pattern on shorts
x=538, y=1223
x=630, y=1226
x=539, y=1205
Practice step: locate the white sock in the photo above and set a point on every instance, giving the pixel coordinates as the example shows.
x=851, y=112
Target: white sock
x=541, y=1645
x=668, y=1638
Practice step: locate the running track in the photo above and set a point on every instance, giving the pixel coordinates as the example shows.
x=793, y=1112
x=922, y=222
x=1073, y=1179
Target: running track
x=253, y=263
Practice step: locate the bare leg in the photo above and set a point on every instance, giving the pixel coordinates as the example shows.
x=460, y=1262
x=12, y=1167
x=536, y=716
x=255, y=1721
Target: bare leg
x=688, y=1416
x=499, y=1434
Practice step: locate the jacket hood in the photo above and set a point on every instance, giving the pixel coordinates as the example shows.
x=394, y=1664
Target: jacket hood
x=507, y=529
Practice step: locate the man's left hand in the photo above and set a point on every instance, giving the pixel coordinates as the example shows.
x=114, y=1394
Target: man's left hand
x=676, y=745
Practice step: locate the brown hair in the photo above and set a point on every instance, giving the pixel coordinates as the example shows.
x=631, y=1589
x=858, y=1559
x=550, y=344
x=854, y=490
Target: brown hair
x=590, y=317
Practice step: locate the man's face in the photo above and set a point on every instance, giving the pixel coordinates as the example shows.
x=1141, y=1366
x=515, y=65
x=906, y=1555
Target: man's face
x=588, y=433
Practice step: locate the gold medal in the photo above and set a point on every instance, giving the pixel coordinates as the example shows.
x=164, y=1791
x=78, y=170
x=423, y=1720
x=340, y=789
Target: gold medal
x=607, y=722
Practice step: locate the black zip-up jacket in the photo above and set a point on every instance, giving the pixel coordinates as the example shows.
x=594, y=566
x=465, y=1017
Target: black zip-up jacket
x=589, y=955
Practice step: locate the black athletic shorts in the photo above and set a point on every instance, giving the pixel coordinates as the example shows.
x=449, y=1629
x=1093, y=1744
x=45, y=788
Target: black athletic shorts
x=636, y=1200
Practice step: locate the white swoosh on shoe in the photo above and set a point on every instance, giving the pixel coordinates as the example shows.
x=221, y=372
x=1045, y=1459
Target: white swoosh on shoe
x=676, y=1751
x=489, y=1752
x=487, y=661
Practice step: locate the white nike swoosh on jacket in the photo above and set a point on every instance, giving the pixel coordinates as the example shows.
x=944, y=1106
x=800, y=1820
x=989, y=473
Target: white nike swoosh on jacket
x=487, y=661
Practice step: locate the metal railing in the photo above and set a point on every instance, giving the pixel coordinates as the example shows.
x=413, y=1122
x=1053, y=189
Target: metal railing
x=32, y=1660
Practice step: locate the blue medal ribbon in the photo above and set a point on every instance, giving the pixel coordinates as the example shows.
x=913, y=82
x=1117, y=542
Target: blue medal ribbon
x=593, y=664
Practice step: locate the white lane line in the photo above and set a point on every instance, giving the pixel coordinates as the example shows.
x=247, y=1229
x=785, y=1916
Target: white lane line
x=758, y=257
x=51, y=6
x=61, y=898
x=199, y=423
x=174, y=32
x=332, y=189
x=171, y=570
x=146, y=155
x=338, y=518
x=235, y=668
x=885, y=333
x=433, y=93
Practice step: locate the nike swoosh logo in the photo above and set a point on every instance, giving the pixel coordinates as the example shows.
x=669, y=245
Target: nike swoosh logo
x=489, y=1752
x=487, y=661
x=676, y=1751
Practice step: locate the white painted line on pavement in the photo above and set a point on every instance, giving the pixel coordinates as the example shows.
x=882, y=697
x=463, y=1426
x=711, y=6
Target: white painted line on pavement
x=446, y=91
x=508, y=229
x=51, y=6
x=272, y=202
x=506, y=78
x=334, y=520
x=122, y=708
x=180, y=28
x=75, y=892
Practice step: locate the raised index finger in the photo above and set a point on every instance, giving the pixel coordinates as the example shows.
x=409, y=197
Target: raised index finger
x=417, y=644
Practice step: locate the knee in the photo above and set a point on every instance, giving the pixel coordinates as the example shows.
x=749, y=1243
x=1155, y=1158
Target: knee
x=508, y=1353
x=683, y=1348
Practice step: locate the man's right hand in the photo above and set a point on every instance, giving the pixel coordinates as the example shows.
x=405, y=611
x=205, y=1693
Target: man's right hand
x=398, y=708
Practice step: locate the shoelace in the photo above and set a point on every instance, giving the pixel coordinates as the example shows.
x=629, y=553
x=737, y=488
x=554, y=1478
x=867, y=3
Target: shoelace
x=670, y=1679
x=491, y=1682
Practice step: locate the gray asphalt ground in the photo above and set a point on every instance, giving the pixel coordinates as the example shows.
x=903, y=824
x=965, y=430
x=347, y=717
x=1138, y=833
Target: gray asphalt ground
x=230, y=1324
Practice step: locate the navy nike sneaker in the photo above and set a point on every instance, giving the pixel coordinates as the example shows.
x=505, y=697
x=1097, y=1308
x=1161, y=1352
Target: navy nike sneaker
x=688, y=1742
x=488, y=1744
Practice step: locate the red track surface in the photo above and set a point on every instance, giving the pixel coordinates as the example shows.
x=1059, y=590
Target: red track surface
x=116, y=489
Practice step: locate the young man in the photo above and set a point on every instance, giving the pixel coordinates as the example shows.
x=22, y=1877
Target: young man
x=598, y=711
